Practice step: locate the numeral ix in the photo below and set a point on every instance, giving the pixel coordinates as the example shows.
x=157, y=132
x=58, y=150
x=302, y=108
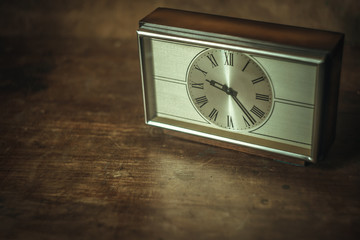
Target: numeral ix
x=197, y=85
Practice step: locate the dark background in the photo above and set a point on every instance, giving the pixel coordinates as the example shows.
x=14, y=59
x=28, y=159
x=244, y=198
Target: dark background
x=118, y=20
x=77, y=160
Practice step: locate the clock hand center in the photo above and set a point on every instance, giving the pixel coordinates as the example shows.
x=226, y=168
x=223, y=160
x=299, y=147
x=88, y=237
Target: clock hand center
x=233, y=94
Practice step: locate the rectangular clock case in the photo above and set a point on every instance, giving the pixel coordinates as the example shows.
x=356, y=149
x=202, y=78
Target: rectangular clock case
x=303, y=64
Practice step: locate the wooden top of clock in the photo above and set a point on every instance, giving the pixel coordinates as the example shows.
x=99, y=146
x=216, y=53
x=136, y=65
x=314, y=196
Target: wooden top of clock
x=248, y=29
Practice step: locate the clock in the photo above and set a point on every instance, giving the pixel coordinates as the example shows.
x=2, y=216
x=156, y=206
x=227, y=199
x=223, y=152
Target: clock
x=229, y=89
x=261, y=88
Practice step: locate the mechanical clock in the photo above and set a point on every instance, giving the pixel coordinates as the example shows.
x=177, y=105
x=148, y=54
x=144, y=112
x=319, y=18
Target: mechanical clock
x=262, y=88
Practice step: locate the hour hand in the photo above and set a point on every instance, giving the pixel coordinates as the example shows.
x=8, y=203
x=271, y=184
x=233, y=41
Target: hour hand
x=222, y=87
x=218, y=85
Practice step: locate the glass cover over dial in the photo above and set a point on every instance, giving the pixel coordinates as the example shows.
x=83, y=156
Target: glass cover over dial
x=229, y=89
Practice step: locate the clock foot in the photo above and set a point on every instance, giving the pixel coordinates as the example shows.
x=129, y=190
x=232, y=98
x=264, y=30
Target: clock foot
x=293, y=162
x=272, y=156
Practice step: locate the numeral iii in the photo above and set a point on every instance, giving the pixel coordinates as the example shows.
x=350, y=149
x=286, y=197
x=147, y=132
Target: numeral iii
x=262, y=97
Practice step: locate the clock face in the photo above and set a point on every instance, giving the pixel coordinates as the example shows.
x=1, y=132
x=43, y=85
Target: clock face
x=230, y=89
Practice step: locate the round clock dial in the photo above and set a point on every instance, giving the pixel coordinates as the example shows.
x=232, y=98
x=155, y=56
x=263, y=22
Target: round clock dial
x=230, y=89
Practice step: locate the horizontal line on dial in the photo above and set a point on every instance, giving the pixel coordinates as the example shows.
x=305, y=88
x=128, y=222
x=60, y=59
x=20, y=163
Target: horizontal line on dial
x=167, y=79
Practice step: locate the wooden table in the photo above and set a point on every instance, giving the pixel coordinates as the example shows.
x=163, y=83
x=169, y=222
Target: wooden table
x=78, y=162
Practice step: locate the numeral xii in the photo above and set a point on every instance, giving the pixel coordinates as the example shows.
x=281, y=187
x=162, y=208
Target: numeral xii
x=229, y=59
x=230, y=123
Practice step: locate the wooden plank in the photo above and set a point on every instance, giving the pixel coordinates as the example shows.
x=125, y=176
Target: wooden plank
x=77, y=160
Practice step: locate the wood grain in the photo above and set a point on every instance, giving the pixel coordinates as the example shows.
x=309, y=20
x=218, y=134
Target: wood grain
x=78, y=162
x=257, y=31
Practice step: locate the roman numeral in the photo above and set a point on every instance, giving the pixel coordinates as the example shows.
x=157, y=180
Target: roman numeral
x=212, y=60
x=201, y=100
x=257, y=80
x=197, y=85
x=198, y=68
x=255, y=110
x=229, y=59
x=230, y=123
x=213, y=114
x=246, y=122
x=245, y=65
x=262, y=97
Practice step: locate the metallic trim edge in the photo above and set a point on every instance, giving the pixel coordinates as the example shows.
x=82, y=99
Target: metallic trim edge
x=232, y=47
x=224, y=139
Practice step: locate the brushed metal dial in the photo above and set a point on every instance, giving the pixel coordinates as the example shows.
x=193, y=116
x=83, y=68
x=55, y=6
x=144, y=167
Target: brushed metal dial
x=229, y=89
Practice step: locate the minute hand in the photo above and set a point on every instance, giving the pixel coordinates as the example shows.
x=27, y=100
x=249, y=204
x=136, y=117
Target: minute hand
x=252, y=120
